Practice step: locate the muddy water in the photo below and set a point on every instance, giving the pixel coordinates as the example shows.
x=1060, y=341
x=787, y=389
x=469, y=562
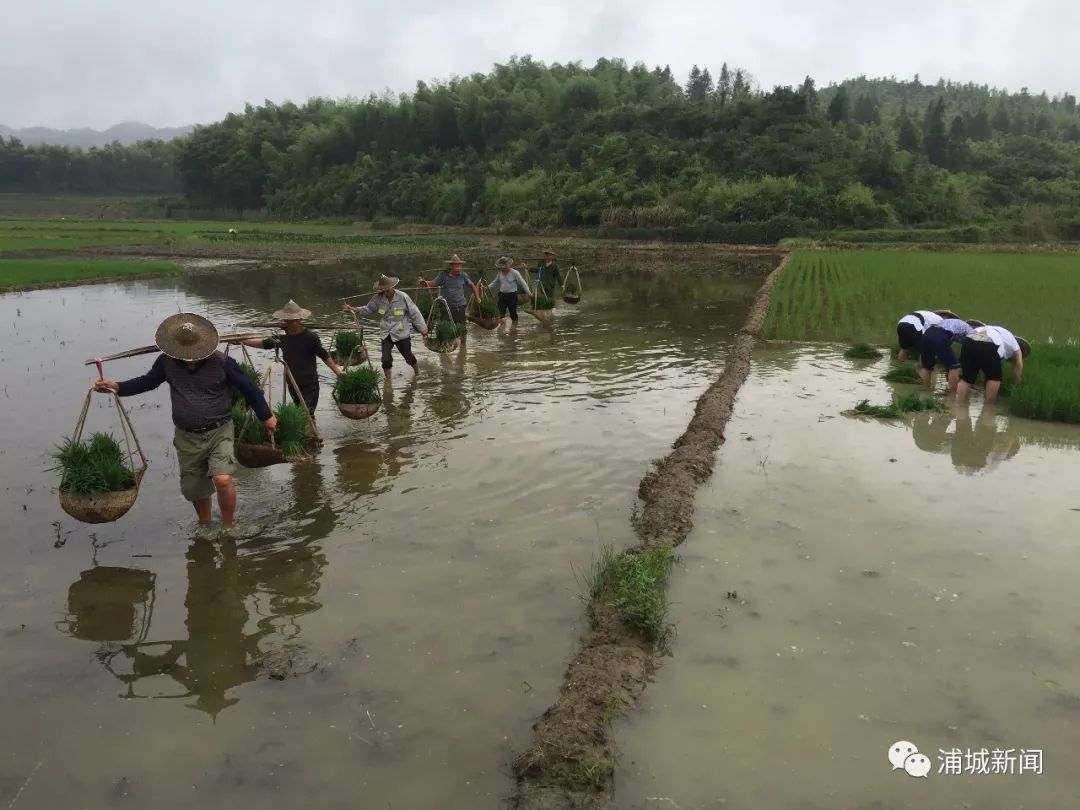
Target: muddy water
x=408, y=607
x=850, y=584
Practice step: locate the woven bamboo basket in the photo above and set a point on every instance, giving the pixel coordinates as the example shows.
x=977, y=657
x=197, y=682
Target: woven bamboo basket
x=356, y=410
x=102, y=508
x=105, y=507
x=572, y=297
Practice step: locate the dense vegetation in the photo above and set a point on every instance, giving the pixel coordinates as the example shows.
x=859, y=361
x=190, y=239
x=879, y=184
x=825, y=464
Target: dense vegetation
x=625, y=149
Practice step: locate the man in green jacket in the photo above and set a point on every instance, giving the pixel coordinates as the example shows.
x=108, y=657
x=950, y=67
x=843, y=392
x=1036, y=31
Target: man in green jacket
x=547, y=274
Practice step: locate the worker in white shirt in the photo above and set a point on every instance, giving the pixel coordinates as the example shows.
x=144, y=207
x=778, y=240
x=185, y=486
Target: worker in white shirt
x=910, y=329
x=983, y=350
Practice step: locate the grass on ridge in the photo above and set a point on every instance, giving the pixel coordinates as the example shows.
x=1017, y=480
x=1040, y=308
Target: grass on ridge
x=633, y=584
x=16, y=272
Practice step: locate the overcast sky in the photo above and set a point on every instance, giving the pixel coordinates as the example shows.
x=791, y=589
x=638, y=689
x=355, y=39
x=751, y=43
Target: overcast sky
x=66, y=63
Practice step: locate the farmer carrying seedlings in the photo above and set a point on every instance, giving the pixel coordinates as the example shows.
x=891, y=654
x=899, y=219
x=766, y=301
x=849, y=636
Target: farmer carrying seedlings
x=299, y=348
x=398, y=316
x=506, y=283
x=937, y=344
x=452, y=283
x=909, y=330
x=547, y=273
x=199, y=379
x=983, y=350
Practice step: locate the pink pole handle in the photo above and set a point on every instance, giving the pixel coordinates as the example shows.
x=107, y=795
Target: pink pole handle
x=100, y=371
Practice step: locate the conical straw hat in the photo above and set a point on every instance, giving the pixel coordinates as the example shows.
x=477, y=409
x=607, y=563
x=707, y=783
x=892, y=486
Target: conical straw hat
x=292, y=312
x=186, y=336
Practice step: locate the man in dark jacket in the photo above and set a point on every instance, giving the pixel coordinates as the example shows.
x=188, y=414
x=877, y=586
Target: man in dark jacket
x=547, y=274
x=299, y=349
x=199, y=379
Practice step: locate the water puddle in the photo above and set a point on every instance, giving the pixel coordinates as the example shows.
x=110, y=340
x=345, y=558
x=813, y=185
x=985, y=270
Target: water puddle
x=409, y=606
x=850, y=584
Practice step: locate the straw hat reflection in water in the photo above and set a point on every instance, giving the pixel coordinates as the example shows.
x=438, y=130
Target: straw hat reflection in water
x=292, y=312
x=186, y=336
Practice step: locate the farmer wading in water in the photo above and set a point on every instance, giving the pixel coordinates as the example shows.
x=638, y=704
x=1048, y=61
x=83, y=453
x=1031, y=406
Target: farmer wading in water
x=452, y=284
x=199, y=379
x=299, y=349
x=398, y=316
x=547, y=274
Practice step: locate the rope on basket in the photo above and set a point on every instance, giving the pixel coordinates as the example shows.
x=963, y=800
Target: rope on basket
x=573, y=269
x=126, y=428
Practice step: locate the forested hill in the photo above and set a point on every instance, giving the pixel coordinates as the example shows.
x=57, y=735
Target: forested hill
x=624, y=148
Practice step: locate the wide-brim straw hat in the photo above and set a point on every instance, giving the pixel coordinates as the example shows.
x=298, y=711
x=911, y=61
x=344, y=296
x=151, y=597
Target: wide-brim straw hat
x=1025, y=347
x=550, y=252
x=292, y=311
x=455, y=259
x=946, y=313
x=503, y=262
x=974, y=323
x=187, y=336
x=386, y=283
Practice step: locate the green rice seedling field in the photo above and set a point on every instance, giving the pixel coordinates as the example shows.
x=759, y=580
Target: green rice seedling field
x=16, y=272
x=860, y=295
x=1050, y=389
x=20, y=235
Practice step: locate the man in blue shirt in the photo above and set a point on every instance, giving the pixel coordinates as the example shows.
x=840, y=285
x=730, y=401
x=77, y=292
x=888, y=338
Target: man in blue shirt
x=452, y=284
x=199, y=379
x=937, y=343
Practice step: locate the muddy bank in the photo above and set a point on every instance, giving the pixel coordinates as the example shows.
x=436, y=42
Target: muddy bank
x=572, y=757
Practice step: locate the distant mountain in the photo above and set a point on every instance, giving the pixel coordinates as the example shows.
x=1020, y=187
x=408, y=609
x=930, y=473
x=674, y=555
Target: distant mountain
x=126, y=133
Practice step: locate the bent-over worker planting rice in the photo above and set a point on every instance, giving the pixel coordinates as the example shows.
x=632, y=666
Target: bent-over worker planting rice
x=937, y=344
x=983, y=350
x=910, y=329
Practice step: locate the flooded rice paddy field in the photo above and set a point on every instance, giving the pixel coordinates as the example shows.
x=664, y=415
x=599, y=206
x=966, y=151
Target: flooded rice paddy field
x=850, y=584
x=408, y=608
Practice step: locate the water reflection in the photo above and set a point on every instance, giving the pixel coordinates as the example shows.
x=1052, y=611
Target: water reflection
x=114, y=607
x=976, y=445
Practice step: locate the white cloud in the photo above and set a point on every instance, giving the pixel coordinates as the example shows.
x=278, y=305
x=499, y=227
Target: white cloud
x=74, y=63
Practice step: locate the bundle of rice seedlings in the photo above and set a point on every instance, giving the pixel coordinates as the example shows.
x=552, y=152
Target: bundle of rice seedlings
x=862, y=351
x=543, y=300
x=345, y=343
x=291, y=433
x=94, y=466
x=252, y=374
x=486, y=308
x=899, y=406
x=905, y=373
x=459, y=329
x=424, y=305
x=445, y=331
x=361, y=386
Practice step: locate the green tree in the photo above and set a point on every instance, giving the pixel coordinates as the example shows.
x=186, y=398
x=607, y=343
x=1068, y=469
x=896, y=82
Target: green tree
x=935, y=138
x=866, y=110
x=839, y=108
